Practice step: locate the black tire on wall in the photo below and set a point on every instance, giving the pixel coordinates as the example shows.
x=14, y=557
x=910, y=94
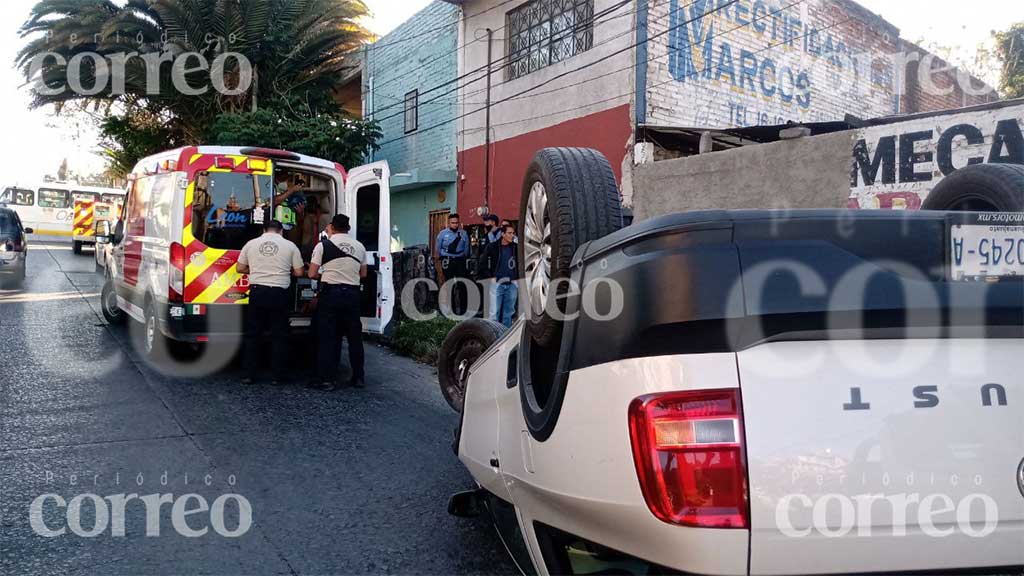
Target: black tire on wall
x=570, y=197
x=980, y=188
x=463, y=346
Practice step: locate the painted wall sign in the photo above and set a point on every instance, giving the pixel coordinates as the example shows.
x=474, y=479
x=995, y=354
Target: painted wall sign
x=765, y=62
x=897, y=165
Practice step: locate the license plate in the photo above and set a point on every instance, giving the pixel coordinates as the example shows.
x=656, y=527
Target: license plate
x=987, y=247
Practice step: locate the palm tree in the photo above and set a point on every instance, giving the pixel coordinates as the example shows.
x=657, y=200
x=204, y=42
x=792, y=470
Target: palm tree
x=297, y=49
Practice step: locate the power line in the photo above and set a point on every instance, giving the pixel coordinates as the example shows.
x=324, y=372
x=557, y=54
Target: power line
x=457, y=48
x=490, y=66
x=653, y=59
x=574, y=70
x=706, y=69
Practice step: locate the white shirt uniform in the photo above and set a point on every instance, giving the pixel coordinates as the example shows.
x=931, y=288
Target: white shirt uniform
x=271, y=259
x=342, y=270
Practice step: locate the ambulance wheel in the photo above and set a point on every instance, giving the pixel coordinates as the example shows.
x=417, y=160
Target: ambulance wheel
x=463, y=346
x=154, y=345
x=76, y=247
x=108, y=303
x=569, y=198
x=980, y=188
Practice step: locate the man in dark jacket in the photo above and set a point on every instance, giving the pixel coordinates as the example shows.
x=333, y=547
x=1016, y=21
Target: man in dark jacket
x=504, y=256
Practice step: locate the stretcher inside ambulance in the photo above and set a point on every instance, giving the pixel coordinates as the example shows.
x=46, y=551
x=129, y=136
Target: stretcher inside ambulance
x=189, y=213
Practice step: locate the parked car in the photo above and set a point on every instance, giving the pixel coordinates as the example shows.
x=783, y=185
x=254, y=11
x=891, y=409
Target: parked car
x=190, y=211
x=813, y=392
x=13, y=248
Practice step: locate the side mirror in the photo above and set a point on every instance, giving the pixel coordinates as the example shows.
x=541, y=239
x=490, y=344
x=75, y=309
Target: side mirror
x=103, y=235
x=29, y=231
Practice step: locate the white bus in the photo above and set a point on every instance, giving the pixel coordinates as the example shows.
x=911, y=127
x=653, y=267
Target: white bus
x=49, y=208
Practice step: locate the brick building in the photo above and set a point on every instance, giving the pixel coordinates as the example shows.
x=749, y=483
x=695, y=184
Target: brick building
x=645, y=79
x=418, y=132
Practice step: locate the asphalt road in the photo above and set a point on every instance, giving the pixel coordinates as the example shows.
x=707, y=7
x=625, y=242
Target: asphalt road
x=351, y=482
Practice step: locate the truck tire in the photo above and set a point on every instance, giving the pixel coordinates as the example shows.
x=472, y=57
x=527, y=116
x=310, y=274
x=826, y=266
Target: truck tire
x=108, y=304
x=76, y=247
x=463, y=346
x=980, y=188
x=569, y=198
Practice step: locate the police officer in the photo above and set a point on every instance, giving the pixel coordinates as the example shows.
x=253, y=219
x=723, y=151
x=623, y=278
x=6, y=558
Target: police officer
x=270, y=261
x=453, y=248
x=339, y=262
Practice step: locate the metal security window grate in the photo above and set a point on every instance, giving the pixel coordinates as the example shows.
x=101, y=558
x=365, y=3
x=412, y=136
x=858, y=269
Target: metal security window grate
x=412, y=111
x=544, y=32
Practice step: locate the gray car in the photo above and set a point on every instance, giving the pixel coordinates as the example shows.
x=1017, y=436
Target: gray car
x=13, y=248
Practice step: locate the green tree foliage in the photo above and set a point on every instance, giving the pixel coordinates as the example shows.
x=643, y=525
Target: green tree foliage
x=1010, y=47
x=298, y=49
x=127, y=138
x=324, y=135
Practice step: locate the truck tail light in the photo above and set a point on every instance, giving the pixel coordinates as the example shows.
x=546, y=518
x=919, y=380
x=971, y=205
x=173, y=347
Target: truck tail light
x=176, y=274
x=689, y=456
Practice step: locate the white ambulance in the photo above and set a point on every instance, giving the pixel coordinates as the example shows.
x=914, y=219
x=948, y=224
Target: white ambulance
x=190, y=211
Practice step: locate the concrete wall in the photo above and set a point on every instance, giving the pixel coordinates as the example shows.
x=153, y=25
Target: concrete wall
x=589, y=107
x=892, y=166
x=419, y=55
x=410, y=210
x=806, y=173
x=410, y=59
x=766, y=62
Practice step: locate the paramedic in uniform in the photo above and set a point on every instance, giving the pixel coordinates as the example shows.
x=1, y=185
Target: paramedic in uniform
x=339, y=262
x=270, y=261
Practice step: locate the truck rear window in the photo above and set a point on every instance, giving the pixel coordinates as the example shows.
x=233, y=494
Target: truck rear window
x=228, y=209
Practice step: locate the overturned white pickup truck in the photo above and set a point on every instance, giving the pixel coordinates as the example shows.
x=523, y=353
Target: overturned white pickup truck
x=816, y=392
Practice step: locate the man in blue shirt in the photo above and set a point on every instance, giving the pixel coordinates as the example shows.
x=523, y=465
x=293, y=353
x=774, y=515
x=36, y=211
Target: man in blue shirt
x=453, y=249
x=504, y=255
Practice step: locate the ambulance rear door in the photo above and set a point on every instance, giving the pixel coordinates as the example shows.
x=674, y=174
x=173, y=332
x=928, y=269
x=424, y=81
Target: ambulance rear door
x=368, y=191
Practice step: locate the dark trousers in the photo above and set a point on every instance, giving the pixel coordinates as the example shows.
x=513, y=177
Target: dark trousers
x=268, y=310
x=338, y=318
x=456, y=268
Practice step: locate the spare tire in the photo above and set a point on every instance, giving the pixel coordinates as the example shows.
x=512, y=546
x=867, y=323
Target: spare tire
x=980, y=188
x=569, y=198
x=463, y=346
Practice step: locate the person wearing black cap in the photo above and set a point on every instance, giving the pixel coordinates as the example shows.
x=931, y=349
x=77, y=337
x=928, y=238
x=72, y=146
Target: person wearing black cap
x=339, y=262
x=270, y=261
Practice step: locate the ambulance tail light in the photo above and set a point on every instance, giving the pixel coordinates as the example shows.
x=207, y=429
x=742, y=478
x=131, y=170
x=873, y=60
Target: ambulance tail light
x=176, y=274
x=689, y=456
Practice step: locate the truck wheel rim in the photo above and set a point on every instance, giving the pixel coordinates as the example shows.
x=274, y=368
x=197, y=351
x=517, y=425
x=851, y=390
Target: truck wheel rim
x=538, y=248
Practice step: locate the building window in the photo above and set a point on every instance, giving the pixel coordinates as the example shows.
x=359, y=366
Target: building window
x=412, y=111
x=544, y=32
